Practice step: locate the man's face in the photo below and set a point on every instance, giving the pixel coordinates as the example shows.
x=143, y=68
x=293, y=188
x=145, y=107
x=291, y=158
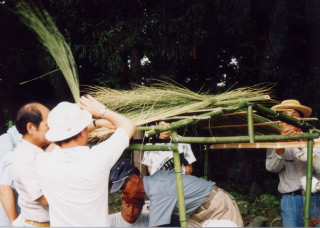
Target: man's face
x=39, y=133
x=166, y=134
x=292, y=113
x=134, y=187
x=130, y=211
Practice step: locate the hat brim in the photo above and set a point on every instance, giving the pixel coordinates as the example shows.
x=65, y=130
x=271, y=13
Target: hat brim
x=60, y=134
x=116, y=186
x=306, y=111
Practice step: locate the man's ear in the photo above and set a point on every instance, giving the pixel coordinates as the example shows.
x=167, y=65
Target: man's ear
x=30, y=127
x=83, y=133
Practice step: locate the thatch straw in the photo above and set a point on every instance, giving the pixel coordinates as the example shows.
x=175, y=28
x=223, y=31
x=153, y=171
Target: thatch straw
x=42, y=24
x=145, y=104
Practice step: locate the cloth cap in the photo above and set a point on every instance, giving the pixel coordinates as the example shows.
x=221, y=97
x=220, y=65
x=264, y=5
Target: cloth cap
x=119, y=174
x=66, y=120
x=293, y=104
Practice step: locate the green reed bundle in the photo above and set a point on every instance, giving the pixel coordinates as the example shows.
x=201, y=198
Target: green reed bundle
x=145, y=104
x=43, y=25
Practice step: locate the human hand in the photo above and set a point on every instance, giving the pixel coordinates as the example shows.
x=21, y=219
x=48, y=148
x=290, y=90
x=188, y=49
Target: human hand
x=315, y=184
x=188, y=169
x=291, y=130
x=301, y=154
x=93, y=106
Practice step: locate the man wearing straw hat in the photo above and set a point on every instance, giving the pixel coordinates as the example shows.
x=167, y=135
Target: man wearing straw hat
x=74, y=177
x=203, y=199
x=291, y=167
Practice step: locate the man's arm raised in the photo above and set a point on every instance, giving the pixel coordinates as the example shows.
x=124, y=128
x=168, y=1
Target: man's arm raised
x=98, y=110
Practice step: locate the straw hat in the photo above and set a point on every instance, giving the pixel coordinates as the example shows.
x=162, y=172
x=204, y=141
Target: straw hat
x=293, y=104
x=66, y=120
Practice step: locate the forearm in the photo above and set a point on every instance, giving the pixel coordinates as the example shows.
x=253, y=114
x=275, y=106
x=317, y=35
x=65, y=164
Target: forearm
x=8, y=202
x=274, y=162
x=43, y=201
x=120, y=121
x=100, y=123
x=98, y=110
x=188, y=169
x=316, y=164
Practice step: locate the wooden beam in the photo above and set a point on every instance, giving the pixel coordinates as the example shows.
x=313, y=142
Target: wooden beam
x=274, y=145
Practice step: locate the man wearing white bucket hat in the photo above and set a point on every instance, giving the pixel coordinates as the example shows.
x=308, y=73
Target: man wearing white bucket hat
x=290, y=164
x=73, y=176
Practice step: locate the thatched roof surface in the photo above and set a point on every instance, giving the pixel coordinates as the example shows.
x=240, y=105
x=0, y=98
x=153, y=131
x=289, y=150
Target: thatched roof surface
x=164, y=100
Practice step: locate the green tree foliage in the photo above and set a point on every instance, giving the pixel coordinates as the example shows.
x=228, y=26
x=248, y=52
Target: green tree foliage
x=199, y=43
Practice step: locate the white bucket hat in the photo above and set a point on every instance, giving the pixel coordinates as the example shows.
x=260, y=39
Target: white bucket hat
x=66, y=120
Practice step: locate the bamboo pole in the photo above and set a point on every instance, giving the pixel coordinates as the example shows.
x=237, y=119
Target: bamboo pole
x=260, y=145
x=237, y=113
x=250, y=124
x=179, y=183
x=285, y=118
x=242, y=125
x=242, y=100
x=254, y=124
x=154, y=130
x=187, y=117
x=206, y=159
x=152, y=147
x=308, y=185
x=234, y=139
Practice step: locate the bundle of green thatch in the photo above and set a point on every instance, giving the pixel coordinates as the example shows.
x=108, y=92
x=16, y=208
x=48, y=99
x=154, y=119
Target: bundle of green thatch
x=161, y=100
x=42, y=24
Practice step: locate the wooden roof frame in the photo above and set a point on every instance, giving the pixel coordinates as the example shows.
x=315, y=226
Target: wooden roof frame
x=249, y=141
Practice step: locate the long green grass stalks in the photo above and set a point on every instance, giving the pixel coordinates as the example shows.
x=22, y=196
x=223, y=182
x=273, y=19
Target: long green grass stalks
x=145, y=104
x=43, y=25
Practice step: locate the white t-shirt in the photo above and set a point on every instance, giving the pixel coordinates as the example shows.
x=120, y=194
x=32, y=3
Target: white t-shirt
x=75, y=181
x=116, y=220
x=27, y=181
x=164, y=159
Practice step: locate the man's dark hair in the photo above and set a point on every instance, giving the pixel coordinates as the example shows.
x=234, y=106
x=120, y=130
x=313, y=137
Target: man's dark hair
x=59, y=143
x=28, y=113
